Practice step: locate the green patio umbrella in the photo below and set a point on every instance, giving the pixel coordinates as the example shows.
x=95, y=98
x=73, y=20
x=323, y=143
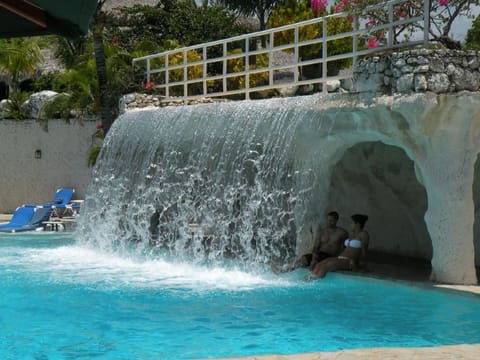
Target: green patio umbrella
x=69, y=18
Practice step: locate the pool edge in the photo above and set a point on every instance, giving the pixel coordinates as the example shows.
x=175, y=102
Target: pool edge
x=464, y=351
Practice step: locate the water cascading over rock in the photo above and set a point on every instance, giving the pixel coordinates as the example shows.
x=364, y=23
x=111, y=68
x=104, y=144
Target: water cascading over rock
x=238, y=172
x=248, y=180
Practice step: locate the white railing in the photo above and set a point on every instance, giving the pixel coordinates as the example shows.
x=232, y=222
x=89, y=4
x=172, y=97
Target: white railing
x=246, y=64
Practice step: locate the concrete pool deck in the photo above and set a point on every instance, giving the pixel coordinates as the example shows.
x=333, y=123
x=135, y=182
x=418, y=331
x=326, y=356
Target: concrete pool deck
x=5, y=217
x=454, y=352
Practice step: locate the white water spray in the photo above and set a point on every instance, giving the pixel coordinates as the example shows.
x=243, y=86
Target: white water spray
x=207, y=183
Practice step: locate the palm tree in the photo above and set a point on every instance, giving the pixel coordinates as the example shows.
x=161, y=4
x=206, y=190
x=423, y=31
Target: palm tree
x=68, y=50
x=19, y=57
x=98, y=26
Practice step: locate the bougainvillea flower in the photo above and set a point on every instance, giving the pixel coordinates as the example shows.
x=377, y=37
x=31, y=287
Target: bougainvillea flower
x=369, y=23
x=338, y=8
x=443, y=2
x=372, y=42
x=342, y=4
x=149, y=85
x=319, y=5
x=401, y=11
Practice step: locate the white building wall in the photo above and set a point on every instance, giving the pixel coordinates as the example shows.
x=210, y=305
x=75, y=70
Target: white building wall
x=63, y=163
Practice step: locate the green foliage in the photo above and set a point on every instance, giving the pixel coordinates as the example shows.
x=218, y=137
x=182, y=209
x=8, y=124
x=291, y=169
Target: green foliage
x=95, y=149
x=146, y=47
x=193, y=72
x=14, y=106
x=43, y=82
x=181, y=21
x=295, y=11
x=67, y=50
x=58, y=107
x=238, y=65
x=80, y=82
x=472, y=40
x=19, y=57
x=261, y=9
x=93, y=155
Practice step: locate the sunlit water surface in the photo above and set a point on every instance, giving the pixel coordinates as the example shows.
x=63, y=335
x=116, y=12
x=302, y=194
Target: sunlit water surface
x=61, y=300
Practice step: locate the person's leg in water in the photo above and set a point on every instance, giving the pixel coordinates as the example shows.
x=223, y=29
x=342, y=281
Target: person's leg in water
x=330, y=264
x=302, y=261
x=318, y=257
x=321, y=268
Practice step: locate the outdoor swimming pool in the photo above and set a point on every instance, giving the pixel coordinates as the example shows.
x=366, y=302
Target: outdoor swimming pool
x=62, y=300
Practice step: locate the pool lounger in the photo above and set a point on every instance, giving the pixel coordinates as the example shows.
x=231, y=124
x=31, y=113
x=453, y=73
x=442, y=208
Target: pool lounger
x=61, y=201
x=27, y=218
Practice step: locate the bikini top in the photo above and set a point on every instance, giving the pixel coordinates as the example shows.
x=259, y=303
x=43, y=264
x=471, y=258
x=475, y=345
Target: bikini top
x=354, y=243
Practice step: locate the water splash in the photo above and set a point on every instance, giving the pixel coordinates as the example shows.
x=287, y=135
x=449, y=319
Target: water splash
x=86, y=266
x=207, y=183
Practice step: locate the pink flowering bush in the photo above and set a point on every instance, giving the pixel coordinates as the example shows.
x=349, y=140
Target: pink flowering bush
x=369, y=23
x=149, y=85
x=372, y=42
x=442, y=16
x=400, y=11
x=319, y=6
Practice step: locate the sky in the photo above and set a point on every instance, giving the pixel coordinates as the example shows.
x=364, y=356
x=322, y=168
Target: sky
x=460, y=29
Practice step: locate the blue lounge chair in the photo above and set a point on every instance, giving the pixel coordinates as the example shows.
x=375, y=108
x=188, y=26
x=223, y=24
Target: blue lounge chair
x=27, y=218
x=61, y=201
x=20, y=217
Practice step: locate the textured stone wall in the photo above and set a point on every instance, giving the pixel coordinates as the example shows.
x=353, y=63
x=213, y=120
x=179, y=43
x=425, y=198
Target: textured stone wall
x=438, y=71
x=440, y=134
x=138, y=101
x=63, y=163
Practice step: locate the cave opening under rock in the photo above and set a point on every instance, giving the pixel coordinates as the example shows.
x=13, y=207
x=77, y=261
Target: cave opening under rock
x=386, y=189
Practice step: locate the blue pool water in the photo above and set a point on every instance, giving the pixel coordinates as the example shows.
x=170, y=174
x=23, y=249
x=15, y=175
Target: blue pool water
x=61, y=300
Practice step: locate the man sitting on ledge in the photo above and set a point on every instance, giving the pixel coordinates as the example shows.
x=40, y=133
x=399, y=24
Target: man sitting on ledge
x=355, y=250
x=328, y=243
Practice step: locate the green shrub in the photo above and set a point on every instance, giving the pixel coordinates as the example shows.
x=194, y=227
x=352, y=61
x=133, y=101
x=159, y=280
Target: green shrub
x=292, y=12
x=14, y=106
x=93, y=155
x=43, y=82
x=59, y=107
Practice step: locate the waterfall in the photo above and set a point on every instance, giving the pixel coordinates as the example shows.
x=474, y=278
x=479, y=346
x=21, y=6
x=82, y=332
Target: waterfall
x=208, y=183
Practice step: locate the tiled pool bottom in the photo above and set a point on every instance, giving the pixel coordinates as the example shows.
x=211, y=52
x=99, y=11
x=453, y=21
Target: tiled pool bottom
x=62, y=300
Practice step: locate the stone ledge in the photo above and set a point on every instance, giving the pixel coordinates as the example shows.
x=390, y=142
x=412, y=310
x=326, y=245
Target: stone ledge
x=412, y=71
x=427, y=353
x=438, y=71
x=138, y=100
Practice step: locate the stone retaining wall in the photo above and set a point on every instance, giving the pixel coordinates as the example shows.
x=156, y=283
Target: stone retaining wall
x=138, y=100
x=438, y=71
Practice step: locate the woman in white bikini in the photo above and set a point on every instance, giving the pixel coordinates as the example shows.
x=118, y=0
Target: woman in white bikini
x=355, y=248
